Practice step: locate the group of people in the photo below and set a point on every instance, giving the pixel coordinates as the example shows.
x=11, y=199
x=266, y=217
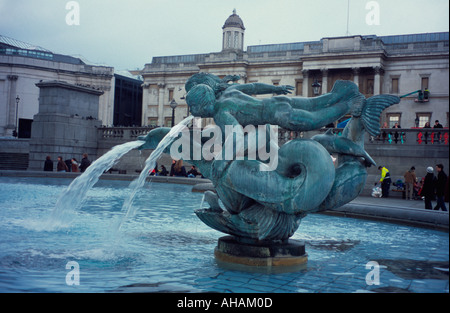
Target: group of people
x=69, y=165
x=431, y=187
x=177, y=169
x=434, y=188
x=427, y=125
x=436, y=125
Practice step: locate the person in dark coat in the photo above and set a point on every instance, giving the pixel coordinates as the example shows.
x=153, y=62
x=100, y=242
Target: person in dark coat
x=61, y=165
x=440, y=187
x=428, y=188
x=85, y=163
x=446, y=198
x=178, y=169
x=163, y=171
x=48, y=164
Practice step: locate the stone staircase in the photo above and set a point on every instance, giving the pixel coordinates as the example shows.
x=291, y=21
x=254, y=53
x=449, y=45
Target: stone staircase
x=13, y=161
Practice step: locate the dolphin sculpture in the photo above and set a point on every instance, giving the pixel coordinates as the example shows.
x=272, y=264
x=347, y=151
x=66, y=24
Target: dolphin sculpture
x=261, y=206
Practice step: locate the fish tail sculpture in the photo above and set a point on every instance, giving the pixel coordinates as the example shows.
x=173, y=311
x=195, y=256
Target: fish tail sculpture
x=268, y=205
x=353, y=160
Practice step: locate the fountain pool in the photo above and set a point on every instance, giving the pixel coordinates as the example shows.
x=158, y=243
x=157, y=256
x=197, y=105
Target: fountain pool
x=164, y=247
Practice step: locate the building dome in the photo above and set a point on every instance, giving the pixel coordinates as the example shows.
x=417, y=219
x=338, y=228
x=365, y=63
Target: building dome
x=234, y=21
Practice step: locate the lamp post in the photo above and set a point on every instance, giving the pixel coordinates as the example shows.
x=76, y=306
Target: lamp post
x=173, y=104
x=316, y=87
x=15, y=132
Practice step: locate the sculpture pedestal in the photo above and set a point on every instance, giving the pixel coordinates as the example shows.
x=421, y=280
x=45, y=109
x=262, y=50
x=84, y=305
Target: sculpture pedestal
x=284, y=254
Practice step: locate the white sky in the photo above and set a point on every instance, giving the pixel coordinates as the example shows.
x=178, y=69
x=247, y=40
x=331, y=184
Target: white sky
x=126, y=34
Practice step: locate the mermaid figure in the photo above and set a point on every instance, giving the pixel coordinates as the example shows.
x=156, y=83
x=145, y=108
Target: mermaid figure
x=267, y=206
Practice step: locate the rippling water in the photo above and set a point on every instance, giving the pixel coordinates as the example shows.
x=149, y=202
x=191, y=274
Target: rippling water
x=164, y=247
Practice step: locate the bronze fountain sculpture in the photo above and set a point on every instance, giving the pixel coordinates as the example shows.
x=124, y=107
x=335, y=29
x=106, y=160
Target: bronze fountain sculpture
x=263, y=203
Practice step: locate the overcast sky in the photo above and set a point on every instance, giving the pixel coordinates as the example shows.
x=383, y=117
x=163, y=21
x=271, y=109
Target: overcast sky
x=126, y=34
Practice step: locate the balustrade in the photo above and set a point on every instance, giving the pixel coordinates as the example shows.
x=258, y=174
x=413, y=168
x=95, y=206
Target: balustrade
x=391, y=136
x=122, y=134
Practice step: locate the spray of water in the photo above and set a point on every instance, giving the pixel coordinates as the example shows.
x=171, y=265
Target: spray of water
x=73, y=197
x=150, y=163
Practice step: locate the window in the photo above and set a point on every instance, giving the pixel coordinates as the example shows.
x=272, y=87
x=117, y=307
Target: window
x=228, y=44
x=236, y=40
x=168, y=122
x=394, y=86
x=425, y=82
x=152, y=121
x=423, y=118
x=170, y=94
x=299, y=88
x=393, y=118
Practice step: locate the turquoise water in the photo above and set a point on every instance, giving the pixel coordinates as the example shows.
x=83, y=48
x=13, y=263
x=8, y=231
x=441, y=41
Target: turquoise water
x=165, y=248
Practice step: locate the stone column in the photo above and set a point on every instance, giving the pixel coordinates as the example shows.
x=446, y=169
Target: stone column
x=324, y=80
x=145, y=91
x=12, y=106
x=161, y=94
x=305, y=83
x=377, y=80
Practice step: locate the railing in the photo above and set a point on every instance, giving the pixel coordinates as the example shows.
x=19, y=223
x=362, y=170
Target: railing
x=391, y=136
x=122, y=133
x=414, y=136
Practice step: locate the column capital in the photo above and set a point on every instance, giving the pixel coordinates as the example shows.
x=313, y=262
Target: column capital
x=12, y=77
x=324, y=71
x=356, y=70
x=378, y=70
x=305, y=73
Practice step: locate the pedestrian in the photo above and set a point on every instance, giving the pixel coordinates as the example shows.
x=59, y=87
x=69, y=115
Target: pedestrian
x=428, y=188
x=69, y=164
x=193, y=172
x=440, y=187
x=446, y=196
x=171, y=167
x=178, y=169
x=48, y=164
x=410, y=180
x=437, y=124
x=163, y=171
x=396, y=125
x=61, y=166
x=74, y=165
x=385, y=181
x=85, y=163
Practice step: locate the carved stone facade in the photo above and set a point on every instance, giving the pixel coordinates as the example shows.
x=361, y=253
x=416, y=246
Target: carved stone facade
x=377, y=64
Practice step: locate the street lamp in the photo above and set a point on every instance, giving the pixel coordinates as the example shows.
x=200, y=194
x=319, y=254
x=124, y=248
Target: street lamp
x=316, y=87
x=15, y=132
x=173, y=104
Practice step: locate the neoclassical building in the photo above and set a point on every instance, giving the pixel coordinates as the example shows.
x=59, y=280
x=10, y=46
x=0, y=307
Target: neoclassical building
x=397, y=65
x=23, y=65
